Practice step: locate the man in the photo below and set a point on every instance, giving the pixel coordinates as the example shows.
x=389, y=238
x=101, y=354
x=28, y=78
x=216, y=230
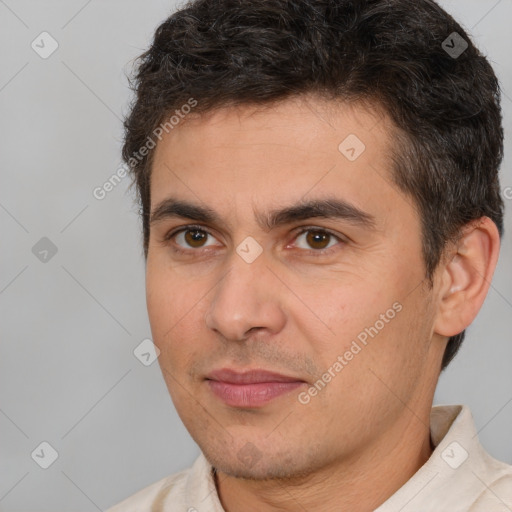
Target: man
x=322, y=219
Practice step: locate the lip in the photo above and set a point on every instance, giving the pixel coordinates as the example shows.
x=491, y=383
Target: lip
x=256, y=376
x=252, y=388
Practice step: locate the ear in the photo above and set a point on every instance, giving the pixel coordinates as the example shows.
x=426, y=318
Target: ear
x=466, y=275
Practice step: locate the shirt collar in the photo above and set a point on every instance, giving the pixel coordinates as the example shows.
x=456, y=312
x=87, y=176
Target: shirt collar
x=455, y=475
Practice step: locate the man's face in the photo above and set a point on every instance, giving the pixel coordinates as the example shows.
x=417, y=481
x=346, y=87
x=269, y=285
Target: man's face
x=342, y=305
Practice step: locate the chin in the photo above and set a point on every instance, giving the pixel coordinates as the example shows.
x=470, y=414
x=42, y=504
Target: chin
x=249, y=463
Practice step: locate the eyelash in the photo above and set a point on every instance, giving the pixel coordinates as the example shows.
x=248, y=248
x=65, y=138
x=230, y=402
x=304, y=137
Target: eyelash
x=305, y=229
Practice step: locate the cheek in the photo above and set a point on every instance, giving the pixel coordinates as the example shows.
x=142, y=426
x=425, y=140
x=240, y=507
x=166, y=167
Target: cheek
x=170, y=307
x=370, y=363
x=159, y=305
x=177, y=308
x=371, y=323
x=169, y=295
x=348, y=312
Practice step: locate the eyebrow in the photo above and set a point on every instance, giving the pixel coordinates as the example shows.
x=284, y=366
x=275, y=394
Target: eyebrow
x=327, y=208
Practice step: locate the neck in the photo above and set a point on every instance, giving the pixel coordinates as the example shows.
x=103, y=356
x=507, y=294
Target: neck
x=359, y=483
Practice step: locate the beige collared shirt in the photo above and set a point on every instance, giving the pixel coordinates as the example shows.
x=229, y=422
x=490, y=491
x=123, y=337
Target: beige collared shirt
x=459, y=477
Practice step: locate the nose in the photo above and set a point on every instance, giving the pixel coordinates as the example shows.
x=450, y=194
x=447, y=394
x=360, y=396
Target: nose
x=247, y=299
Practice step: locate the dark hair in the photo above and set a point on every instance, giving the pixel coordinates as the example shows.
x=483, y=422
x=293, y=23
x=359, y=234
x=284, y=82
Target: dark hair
x=401, y=55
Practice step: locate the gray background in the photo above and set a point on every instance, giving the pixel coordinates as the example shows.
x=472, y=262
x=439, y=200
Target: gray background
x=69, y=326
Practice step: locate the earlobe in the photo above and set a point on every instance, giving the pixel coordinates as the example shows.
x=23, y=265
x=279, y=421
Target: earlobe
x=466, y=276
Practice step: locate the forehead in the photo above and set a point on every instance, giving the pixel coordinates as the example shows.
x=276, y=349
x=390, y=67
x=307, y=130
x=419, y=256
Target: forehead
x=244, y=158
x=303, y=124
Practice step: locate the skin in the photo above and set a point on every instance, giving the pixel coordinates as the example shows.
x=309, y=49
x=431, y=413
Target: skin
x=295, y=309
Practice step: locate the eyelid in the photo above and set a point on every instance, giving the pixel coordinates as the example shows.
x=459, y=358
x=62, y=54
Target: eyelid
x=188, y=227
x=339, y=236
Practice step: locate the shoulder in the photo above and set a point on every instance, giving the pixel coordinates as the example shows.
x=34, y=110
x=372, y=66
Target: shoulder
x=172, y=486
x=495, y=486
x=180, y=491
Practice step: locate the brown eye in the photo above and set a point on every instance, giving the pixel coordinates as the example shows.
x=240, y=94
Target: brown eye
x=195, y=237
x=318, y=239
x=190, y=238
